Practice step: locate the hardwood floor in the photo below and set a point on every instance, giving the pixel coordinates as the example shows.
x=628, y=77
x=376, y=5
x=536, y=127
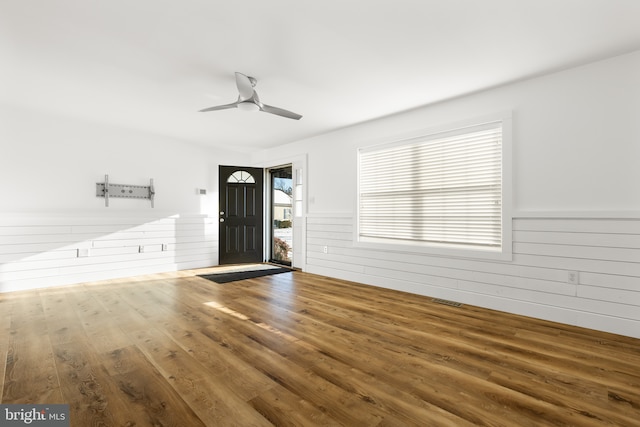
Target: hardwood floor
x=296, y=349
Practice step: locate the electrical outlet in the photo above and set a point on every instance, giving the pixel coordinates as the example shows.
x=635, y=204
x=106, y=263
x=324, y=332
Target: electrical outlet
x=83, y=253
x=141, y=249
x=573, y=277
x=325, y=249
x=165, y=247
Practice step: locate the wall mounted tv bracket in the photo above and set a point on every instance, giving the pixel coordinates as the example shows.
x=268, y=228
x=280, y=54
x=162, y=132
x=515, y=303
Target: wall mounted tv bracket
x=107, y=190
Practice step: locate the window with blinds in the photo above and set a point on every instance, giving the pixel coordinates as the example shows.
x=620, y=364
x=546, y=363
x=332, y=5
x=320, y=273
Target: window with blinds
x=442, y=189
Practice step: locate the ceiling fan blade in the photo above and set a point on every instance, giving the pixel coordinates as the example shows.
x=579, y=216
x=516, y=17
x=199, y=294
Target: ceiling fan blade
x=219, y=107
x=245, y=86
x=280, y=112
x=248, y=100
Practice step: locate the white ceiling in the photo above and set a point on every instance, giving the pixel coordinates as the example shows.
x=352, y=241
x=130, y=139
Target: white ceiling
x=152, y=64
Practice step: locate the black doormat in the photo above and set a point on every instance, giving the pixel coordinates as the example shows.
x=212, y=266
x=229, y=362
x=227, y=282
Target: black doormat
x=241, y=275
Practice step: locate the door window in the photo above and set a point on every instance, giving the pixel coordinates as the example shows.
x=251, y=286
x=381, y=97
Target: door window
x=241, y=177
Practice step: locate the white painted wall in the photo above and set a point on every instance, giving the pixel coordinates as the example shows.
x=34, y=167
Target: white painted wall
x=576, y=140
x=49, y=167
x=576, y=191
x=52, y=163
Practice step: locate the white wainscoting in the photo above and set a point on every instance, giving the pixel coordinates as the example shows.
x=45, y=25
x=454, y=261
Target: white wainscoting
x=605, y=252
x=37, y=252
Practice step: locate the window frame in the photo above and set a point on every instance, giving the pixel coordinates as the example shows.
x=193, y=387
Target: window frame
x=504, y=252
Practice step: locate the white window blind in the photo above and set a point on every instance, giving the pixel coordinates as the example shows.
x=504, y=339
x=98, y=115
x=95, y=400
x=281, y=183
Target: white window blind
x=444, y=188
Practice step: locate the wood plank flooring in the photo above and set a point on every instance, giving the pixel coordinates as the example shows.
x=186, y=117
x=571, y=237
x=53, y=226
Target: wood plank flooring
x=296, y=349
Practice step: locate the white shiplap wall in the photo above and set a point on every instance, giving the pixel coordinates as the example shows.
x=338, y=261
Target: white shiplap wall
x=37, y=252
x=605, y=253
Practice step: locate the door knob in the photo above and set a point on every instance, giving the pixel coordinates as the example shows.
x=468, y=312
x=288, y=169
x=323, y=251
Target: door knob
x=221, y=219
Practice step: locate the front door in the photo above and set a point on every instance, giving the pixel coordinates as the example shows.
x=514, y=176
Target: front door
x=240, y=232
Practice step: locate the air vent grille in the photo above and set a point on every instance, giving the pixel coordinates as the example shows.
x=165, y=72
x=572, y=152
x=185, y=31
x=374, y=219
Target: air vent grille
x=446, y=302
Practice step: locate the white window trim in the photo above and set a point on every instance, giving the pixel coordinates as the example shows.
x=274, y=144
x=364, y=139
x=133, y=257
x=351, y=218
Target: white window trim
x=504, y=253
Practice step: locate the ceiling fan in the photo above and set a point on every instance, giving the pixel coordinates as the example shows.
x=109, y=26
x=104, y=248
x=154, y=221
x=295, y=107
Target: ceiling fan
x=248, y=100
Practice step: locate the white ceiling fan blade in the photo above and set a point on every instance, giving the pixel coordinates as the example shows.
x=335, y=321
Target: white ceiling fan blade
x=280, y=112
x=245, y=86
x=219, y=107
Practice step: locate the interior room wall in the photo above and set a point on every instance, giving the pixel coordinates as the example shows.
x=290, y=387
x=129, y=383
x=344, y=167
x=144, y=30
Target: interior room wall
x=576, y=200
x=49, y=167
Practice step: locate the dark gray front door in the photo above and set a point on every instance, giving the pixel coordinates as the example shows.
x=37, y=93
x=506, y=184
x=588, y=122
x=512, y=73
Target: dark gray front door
x=241, y=221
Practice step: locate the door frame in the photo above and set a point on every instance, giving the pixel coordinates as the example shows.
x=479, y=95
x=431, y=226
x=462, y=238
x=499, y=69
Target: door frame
x=299, y=168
